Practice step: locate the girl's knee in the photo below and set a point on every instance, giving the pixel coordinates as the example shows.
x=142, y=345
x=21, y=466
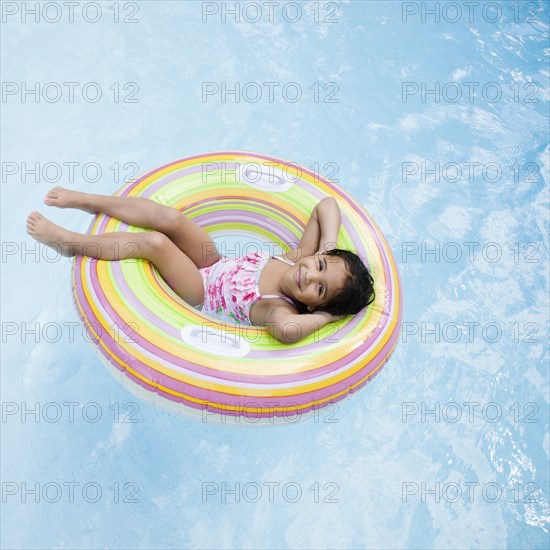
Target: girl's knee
x=155, y=242
x=171, y=219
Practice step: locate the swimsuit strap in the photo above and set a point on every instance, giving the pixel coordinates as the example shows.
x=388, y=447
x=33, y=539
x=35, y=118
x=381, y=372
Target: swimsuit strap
x=284, y=260
x=276, y=295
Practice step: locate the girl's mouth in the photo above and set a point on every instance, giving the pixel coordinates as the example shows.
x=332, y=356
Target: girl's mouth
x=298, y=279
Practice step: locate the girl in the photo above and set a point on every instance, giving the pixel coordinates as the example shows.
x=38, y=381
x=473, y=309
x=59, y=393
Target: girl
x=292, y=297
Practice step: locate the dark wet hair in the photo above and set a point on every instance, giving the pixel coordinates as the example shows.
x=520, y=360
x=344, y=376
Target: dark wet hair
x=358, y=291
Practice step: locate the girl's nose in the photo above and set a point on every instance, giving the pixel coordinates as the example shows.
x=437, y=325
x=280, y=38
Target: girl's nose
x=311, y=277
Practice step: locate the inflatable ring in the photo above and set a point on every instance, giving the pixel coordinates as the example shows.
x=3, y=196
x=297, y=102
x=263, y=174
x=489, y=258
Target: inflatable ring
x=161, y=346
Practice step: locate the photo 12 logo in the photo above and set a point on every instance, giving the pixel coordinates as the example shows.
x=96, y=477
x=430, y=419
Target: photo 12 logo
x=470, y=92
x=469, y=491
x=269, y=491
x=251, y=413
x=66, y=172
x=266, y=173
x=463, y=332
x=270, y=12
x=268, y=92
x=70, y=412
x=470, y=12
x=470, y=251
x=69, y=12
x=69, y=92
x=469, y=172
x=469, y=411
x=53, y=492
x=66, y=251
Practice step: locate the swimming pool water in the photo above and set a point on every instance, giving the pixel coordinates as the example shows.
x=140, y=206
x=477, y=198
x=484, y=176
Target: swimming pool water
x=437, y=121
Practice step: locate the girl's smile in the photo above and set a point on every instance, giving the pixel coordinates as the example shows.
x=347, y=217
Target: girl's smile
x=316, y=279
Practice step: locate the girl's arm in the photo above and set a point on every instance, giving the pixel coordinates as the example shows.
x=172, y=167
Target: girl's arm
x=289, y=328
x=321, y=231
x=330, y=218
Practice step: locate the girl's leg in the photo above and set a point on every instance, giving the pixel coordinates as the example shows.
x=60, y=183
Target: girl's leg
x=175, y=267
x=188, y=236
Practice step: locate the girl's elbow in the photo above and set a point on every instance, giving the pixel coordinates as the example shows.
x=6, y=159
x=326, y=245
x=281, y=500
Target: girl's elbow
x=323, y=203
x=285, y=340
x=276, y=326
x=277, y=334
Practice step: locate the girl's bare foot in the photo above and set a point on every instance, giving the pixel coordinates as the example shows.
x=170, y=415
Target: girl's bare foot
x=65, y=198
x=50, y=234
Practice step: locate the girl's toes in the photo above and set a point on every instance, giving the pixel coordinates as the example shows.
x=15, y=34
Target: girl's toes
x=33, y=218
x=56, y=196
x=51, y=195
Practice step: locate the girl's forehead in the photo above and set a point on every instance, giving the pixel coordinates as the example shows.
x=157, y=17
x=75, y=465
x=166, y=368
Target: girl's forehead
x=332, y=259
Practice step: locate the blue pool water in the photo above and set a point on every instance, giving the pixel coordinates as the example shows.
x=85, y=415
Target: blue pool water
x=437, y=122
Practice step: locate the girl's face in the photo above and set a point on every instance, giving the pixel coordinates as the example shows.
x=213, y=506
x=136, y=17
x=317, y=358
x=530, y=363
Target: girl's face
x=314, y=280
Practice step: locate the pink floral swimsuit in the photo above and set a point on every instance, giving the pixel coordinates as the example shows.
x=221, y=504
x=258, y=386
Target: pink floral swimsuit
x=231, y=287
